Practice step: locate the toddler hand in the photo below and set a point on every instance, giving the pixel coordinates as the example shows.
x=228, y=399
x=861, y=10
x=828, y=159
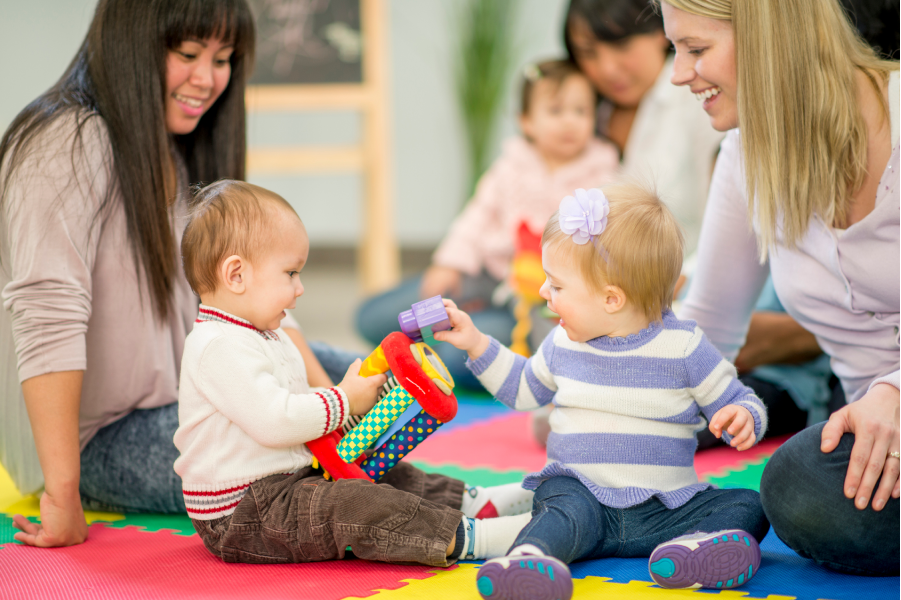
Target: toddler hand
x=463, y=334
x=362, y=392
x=738, y=422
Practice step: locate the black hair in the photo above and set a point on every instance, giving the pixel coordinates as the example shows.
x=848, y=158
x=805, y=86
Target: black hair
x=877, y=22
x=119, y=76
x=612, y=20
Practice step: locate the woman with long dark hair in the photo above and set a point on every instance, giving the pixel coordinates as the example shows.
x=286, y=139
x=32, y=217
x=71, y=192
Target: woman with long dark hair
x=93, y=188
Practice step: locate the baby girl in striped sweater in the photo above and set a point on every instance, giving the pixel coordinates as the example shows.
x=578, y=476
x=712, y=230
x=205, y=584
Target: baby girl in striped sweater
x=631, y=385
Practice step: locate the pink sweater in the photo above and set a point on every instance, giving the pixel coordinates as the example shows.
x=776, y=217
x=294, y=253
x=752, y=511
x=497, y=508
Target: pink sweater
x=517, y=187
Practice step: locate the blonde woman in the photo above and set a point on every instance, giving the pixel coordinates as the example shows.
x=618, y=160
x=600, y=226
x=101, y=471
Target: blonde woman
x=817, y=151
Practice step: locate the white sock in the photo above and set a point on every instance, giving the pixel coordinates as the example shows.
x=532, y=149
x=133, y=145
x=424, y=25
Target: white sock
x=526, y=549
x=492, y=537
x=505, y=500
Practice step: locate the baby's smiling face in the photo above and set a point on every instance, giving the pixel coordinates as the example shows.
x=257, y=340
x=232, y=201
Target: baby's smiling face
x=560, y=121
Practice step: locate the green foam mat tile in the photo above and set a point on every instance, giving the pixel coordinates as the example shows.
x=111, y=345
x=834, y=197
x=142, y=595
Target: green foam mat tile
x=175, y=524
x=748, y=477
x=7, y=530
x=477, y=476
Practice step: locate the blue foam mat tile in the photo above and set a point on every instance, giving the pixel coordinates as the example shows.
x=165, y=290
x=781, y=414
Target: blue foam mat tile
x=782, y=572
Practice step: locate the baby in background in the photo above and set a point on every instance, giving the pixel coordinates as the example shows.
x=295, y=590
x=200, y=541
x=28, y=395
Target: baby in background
x=246, y=411
x=556, y=153
x=631, y=385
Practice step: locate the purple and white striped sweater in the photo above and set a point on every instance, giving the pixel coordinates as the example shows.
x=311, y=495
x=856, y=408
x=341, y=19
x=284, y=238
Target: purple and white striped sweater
x=626, y=409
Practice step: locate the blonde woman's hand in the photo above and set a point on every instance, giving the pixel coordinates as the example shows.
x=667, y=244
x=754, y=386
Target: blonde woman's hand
x=463, y=333
x=62, y=523
x=874, y=422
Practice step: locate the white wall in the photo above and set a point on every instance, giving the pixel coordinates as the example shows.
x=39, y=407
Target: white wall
x=38, y=38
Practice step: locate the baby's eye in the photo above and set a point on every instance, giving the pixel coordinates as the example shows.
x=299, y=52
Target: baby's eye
x=293, y=273
x=696, y=51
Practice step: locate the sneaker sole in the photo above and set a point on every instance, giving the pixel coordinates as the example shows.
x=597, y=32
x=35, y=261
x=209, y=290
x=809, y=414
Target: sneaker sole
x=525, y=578
x=727, y=559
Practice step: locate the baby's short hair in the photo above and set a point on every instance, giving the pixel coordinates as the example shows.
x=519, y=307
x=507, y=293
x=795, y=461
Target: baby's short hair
x=555, y=71
x=639, y=251
x=227, y=217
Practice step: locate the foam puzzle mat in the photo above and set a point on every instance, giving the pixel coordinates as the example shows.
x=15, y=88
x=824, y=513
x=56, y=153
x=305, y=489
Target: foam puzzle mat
x=159, y=557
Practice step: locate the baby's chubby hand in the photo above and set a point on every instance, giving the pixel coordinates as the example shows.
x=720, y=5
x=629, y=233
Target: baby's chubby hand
x=362, y=392
x=737, y=422
x=463, y=334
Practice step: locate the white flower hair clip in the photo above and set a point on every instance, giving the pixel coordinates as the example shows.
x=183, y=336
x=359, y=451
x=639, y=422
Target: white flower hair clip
x=584, y=215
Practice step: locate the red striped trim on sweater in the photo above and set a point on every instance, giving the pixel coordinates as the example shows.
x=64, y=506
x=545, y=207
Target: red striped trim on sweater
x=340, y=405
x=217, y=492
x=214, y=314
x=328, y=413
x=206, y=511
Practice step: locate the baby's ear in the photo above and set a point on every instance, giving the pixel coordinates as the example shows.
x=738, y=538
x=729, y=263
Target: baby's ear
x=614, y=298
x=232, y=273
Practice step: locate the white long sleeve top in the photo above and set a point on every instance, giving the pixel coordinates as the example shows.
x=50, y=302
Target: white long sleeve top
x=245, y=411
x=841, y=285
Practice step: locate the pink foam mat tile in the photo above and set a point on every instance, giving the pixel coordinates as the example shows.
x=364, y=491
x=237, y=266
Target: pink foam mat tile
x=718, y=461
x=135, y=564
x=505, y=443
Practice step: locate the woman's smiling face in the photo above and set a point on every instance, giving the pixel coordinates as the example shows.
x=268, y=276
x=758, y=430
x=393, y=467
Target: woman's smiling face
x=197, y=72
x=705, y=61
x=621, y=71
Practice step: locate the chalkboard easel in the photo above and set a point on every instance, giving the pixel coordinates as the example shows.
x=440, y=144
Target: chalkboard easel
x=334, y=84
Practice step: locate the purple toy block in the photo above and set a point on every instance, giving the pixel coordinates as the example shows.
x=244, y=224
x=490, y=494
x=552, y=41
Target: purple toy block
x=427, y=313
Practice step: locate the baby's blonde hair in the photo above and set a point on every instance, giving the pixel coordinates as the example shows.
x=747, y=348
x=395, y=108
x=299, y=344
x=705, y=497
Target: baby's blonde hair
x=640, y=250
x=228, y=217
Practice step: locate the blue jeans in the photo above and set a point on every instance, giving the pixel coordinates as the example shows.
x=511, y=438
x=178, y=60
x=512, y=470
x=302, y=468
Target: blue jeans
x=802, y=494
x=128, y=465
x=569, y=523
x=377, y=317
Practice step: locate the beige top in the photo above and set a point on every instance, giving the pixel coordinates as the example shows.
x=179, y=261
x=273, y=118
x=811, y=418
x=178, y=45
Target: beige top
x=72, y=298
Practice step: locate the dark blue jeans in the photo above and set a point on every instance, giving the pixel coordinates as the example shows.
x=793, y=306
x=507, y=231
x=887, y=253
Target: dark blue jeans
x=128, y=465
x=569, y=523
x=802, y=494
x=377, y=317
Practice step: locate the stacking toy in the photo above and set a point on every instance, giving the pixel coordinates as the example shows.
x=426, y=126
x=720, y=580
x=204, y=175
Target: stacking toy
x=424, y=319
x=420, y=376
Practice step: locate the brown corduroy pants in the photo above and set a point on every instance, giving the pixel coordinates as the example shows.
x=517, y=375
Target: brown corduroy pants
x=409, y=517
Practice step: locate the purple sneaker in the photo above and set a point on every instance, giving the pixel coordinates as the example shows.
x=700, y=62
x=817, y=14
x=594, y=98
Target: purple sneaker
x=725, y=559
x=525, y=574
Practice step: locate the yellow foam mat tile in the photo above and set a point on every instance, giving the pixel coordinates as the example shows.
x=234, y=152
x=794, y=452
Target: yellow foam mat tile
x=14, y=503
x=460, y=584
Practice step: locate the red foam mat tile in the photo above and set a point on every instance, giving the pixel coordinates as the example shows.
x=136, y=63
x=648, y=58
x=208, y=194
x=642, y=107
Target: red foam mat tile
x=134, y=564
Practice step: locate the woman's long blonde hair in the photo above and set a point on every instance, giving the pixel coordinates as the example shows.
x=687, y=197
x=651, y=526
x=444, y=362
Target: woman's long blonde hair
x=803, y=137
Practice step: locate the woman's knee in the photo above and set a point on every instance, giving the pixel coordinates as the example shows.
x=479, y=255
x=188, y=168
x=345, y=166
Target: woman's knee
x=377, y=316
